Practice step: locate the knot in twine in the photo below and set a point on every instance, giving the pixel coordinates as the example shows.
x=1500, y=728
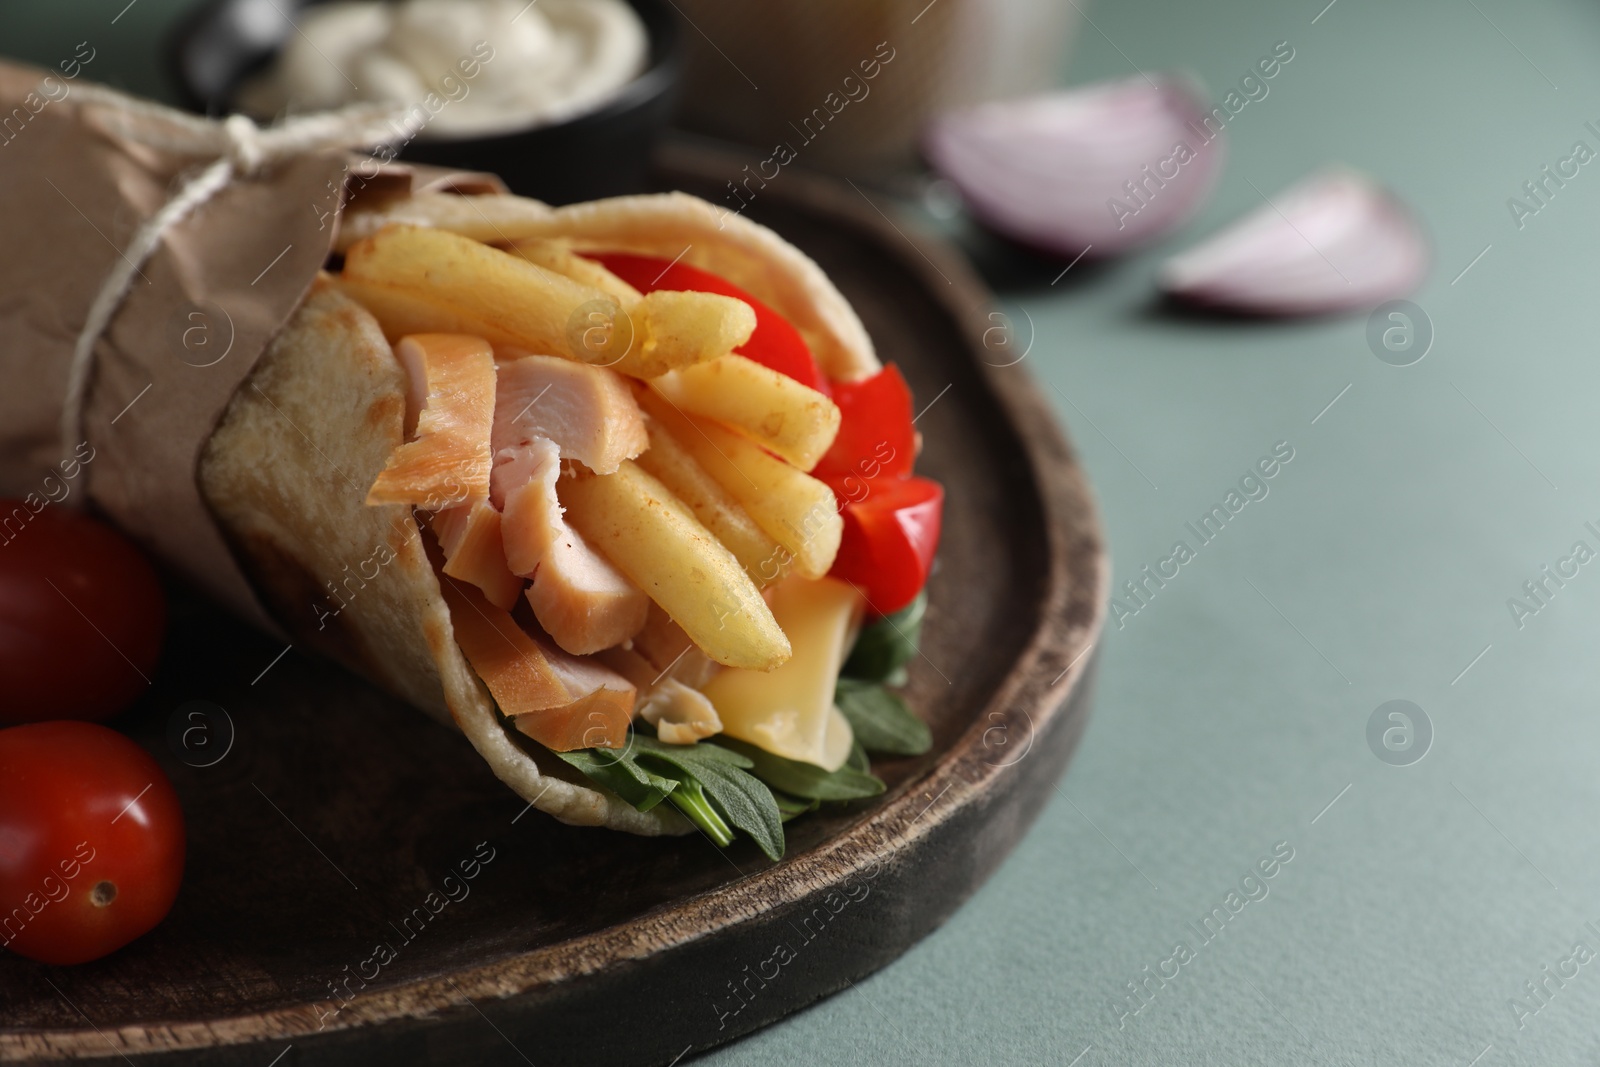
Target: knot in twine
x=238, y=148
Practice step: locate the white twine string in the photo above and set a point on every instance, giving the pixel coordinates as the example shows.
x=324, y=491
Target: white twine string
x=241, y=149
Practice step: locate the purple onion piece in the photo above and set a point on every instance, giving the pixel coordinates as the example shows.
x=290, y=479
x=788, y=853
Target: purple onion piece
x=1102, y=168
x=1337, y=241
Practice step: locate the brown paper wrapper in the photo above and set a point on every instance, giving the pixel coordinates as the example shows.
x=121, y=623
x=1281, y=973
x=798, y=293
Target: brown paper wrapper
x=194, y=322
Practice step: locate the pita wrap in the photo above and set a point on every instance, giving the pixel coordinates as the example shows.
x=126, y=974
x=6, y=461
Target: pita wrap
x=238, y=407
x=286, y=474
x=287, y=470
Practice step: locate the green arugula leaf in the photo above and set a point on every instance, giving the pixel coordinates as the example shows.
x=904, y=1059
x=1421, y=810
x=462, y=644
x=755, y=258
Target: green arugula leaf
x=729, y=788
x=881, y=720
x=616, y=770
x=857, y=760
x=805, y=779
x=705, y=751
x=790, y=807
x=887, y=645
x=690, y=798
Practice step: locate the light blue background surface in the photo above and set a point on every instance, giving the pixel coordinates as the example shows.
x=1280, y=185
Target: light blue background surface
x=1233, y=708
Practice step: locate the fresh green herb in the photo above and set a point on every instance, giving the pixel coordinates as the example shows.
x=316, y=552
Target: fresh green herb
x=725, y=783
x=709, y=784
x=690, y=798
x=880, y=719
x=616, y=770
x=857, y=760
x=805, y=779
x=790, y=807
x=886, y=646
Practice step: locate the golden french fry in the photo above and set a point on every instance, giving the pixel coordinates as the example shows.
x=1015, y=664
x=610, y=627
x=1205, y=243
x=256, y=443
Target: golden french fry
x=796, y=510
x=714, y=506
x=772, y=409
x=489, y=292
x=683, y=328
x=557, y=255
x=401, y=312
x=652, y=537
x=508, y=300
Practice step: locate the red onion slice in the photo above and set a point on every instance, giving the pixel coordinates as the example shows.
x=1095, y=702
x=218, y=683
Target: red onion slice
x=1102, y=169
x=1337, y=241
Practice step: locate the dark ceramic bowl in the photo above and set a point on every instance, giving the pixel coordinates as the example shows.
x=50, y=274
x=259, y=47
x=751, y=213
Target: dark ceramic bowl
x=605, y=152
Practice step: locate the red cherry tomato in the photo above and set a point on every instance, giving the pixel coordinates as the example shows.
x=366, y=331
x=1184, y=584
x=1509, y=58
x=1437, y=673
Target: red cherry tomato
x=81, y=616
x=891, y=533
x=876, y=437
x=775, y=342
x=91, y=841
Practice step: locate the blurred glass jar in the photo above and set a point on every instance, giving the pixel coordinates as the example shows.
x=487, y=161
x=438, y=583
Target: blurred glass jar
x=846, y=85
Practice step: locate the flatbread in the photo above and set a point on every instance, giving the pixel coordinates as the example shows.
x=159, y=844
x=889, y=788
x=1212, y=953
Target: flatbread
x=286, y=473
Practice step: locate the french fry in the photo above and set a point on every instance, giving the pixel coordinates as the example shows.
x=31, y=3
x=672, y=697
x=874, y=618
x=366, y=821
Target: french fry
x=652, y=537
x=479, y=282
x=557, y=255
x=508, y=300
x=401, y=312
x=772, y=409
x=796, y=510
x=684, y=328
x=714, y=506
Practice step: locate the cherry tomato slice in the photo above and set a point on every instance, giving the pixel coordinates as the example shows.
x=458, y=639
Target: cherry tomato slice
x=891, y=534
x=82, y=615
x=91, y=841
x=875, y=433
x=775, y=342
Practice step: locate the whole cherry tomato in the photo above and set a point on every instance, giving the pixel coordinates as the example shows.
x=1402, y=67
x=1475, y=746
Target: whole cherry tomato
x=890, y=536
x=775, y=342
x=81, y=616
x=91, y=841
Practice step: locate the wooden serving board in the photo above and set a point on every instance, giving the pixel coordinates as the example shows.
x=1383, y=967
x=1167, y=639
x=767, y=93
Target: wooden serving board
x=327, y=820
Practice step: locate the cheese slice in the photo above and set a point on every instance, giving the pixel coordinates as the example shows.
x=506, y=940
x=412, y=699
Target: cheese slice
x=837, y=740
x=789, y=711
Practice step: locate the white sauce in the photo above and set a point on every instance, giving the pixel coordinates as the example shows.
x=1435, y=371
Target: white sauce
x=492, y=65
